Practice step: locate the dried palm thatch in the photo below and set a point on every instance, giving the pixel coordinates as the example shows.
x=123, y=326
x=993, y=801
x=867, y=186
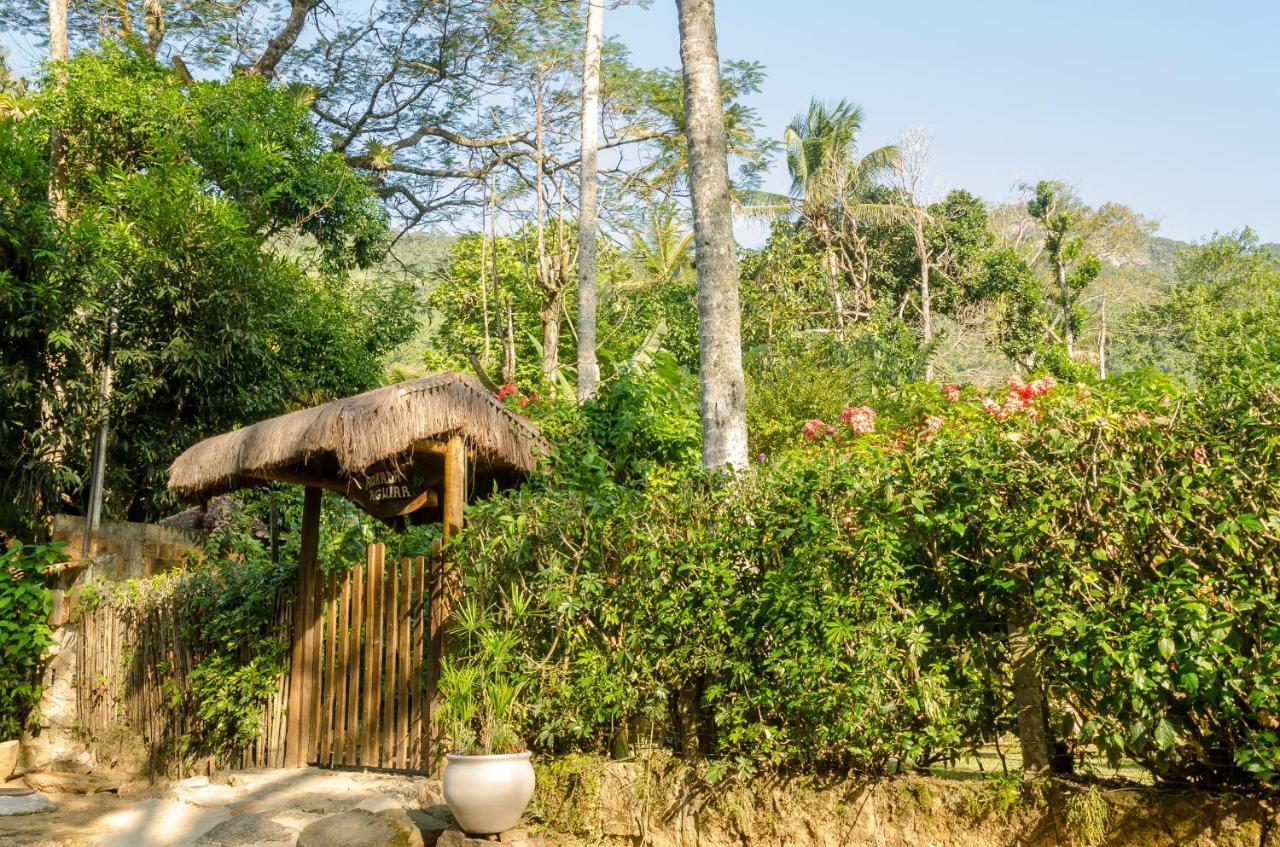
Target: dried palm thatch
x=344, y=439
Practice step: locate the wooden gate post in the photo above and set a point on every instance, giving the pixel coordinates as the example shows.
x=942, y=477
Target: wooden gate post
x=441, y=590
x=299, y=732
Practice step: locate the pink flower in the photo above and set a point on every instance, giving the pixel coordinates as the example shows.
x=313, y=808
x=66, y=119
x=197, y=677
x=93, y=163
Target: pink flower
x=1200, y=454
x=951, y=392
x=933, y=423
x=815, y=429
x=990, y=406
x=1013, y=404
x=1042, y=386
x=506, y=391
x=860, y=419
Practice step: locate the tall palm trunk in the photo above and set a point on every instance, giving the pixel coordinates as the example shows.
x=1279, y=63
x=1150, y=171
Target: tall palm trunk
x=724, y=416
x=588, y=367
x=59, y=50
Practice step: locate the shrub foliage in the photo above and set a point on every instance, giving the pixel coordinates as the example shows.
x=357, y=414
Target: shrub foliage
x=845, y=604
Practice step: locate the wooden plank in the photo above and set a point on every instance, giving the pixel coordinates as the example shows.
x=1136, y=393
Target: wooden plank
x=403, y=680
x=298, y=733
x=391, y=608
x=372, y=654
x=331, y=667
x=379, y=652
x=315, y=656
x=352, y=745
x=420, y=622
x=340, y=673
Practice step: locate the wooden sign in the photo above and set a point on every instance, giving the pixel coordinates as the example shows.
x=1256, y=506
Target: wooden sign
x=392, y=492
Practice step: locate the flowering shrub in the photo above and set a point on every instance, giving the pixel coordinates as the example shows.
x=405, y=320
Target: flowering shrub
x=845, y=605
x=861, y=420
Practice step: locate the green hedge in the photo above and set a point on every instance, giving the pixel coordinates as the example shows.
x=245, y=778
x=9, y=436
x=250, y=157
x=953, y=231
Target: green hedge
x=844, y=605
x=24, y=630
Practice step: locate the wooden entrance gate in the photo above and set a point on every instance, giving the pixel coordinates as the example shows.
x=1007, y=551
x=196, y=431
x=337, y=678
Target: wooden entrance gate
x=368, y=698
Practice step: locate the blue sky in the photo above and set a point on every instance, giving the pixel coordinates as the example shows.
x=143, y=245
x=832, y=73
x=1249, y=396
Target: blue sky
x=1170, y=107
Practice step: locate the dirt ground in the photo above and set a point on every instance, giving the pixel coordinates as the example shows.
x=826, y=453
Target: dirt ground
x=177, y=814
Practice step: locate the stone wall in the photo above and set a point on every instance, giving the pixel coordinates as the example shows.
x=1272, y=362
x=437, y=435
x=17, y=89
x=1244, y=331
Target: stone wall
x=125, y=551
x=129, y=550
x=662, y=803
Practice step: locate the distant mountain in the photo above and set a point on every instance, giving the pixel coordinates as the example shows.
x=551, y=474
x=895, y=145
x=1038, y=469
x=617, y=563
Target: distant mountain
x=1164, y=251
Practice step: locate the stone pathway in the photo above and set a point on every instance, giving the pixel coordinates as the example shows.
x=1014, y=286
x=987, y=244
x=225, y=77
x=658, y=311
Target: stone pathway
x=285, y=808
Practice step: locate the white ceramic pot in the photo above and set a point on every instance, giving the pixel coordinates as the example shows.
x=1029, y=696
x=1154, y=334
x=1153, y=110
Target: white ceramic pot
x=8, y=759
x=488, y=794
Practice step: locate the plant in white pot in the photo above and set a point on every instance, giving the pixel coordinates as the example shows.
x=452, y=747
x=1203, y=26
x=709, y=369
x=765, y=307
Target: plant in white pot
x=488, y=778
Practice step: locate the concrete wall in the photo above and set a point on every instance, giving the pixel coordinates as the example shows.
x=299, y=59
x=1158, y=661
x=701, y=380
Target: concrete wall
x=128, y=550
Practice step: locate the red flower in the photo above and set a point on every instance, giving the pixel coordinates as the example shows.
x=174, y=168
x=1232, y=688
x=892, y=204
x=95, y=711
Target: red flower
x=1020, y=389
x=506, y=391
x=951, y=392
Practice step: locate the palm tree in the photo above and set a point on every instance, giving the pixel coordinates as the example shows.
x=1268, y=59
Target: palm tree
x=830, y=188
x=662, y=252
x=724, y=414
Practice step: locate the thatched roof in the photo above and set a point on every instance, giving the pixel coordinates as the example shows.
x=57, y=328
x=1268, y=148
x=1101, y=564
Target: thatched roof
x=344, y=439
x=214, y=514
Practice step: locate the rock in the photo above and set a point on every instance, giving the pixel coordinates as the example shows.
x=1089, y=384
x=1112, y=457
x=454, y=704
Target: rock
x=430, y=824
x=295, y=820
x=8, y=758
x=362, y=828
x=206, y=796
x=381, y=803
x=34, y=756
x=430, y=793
x=70, y=783
x=77, y=763
x=138, y=788
x=323, y=804
x=30, y=804
x=514, y=837
x=246, y=830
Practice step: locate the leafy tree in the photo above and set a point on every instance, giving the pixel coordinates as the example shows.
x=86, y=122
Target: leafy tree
x=209, y=235
x=1023, y=316
x=630, y=311
x=1219, y=313
x=1060, y=214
